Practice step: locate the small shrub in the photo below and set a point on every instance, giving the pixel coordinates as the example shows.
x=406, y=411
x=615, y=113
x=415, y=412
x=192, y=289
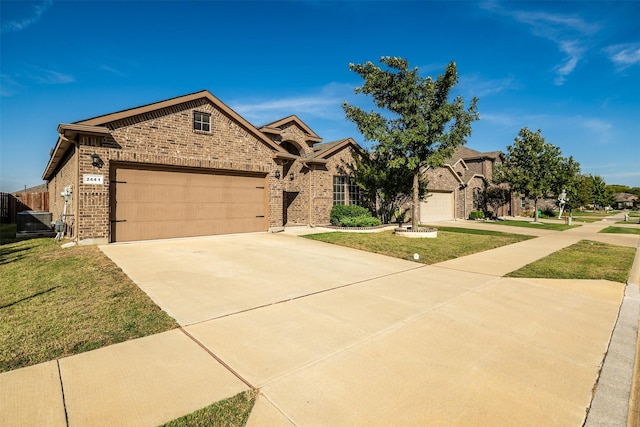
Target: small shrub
x=360, y=221
x=476, y=215
x=548, y=213
x=338, y=212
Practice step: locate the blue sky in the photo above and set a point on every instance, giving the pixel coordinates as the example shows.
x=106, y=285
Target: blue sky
x=571, y=69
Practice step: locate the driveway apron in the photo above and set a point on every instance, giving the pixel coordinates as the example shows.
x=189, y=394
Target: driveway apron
x=337, y=336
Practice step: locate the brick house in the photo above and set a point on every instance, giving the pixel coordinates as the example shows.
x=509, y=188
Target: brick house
x=626, y=201
x=457, y=188
x=191, y=166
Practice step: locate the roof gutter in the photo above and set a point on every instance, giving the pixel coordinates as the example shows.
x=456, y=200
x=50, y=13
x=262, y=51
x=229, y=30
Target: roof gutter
x=66, y=135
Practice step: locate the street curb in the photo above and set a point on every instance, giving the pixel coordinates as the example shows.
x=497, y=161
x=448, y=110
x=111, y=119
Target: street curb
x=612, y=400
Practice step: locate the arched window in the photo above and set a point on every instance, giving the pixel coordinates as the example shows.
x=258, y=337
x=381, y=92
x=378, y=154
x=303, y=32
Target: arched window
x=291, y=148
x=477, y=199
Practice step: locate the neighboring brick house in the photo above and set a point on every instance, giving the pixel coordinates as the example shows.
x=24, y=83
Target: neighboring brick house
x=626, y=201
x=191, y=166
x=457, y=188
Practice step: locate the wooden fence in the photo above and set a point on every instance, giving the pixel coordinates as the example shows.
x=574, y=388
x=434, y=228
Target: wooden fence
x=11, y=204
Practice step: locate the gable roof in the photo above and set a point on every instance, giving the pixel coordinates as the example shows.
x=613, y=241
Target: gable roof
x=119, y=115
x=274, y=128
x=466, y=153
x=625, y=197
x=322, y=151
x=98, y=125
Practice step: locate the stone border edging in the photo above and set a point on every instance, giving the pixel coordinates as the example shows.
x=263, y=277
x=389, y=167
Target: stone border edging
x=613, y=401
x=420, y=233
x=377, y=229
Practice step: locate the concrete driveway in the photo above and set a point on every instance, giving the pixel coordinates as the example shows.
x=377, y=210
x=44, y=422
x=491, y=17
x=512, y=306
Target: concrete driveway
x=335, y=336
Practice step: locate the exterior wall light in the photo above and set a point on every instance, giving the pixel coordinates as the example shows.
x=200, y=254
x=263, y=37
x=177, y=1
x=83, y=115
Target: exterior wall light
x=291, y=176
x=277, y=174
x=96, y=161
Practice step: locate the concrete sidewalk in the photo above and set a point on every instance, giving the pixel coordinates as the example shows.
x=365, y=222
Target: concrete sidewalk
x=370, y=340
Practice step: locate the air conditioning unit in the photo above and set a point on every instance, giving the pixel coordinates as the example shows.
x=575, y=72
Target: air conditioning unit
x=34, y=223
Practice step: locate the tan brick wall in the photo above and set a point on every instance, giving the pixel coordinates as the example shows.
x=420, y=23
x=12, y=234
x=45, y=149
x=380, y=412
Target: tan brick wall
x=465, y=201
x=339, y=164
x=93, y=214
x=166, y=137
x=297, y=193
x=292, y=132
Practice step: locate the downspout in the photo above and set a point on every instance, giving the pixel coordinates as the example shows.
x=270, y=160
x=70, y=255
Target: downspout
x=464, y=199
x=455, y=205
x=311, y=198
x=76, y=196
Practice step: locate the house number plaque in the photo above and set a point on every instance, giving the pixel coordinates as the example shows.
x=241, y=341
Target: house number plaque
x=93, y=179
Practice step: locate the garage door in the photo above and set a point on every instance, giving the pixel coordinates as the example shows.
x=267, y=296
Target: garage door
x=438, y=207
x=159, y=204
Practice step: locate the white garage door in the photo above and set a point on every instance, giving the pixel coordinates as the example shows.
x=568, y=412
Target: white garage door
x=437, y=207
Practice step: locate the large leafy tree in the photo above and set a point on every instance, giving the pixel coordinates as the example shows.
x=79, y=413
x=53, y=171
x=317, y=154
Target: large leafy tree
x=579, y=193
x=533, y=167
x=383, y=188
x=416, y=124
x=568, y=180
x=601, y=196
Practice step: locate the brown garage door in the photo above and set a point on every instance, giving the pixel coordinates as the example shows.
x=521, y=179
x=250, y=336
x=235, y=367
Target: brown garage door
x=159, y=204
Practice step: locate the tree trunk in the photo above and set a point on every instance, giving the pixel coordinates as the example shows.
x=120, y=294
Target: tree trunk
x=535, y=210
x=416, y=200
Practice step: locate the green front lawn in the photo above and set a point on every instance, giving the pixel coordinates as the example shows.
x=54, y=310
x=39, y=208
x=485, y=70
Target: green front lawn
x=450, y=243
x=583, y=260
x=58, y=302
x=620, y=230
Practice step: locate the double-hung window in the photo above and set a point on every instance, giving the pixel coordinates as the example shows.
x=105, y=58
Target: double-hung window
x=338, y=190
x=201, y=121
x=354, y=193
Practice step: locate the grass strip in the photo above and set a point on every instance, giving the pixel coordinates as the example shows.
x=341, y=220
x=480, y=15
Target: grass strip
x=530, y=224
x=476, y=231
x=232, y=412
x=620, y=230
x=600, y=214
x=583, y=260
x=448, y=244
x=58, y=302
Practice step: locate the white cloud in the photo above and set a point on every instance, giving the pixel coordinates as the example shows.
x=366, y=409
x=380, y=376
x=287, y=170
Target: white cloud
x=51, y=77
x=8, y=85
x=35, y=14
x=624, y=55
x=112, y=70
x=11, y=84
x=568, y=32
x=474, y=85
x=326, y=103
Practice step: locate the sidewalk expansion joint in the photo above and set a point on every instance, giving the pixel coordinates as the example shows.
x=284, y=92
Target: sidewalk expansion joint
x=64, y=403
x=322, y=291
x=393, y=327
x=219, y=360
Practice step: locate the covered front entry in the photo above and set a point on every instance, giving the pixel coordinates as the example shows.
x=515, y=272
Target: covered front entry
x=437, y=207
x=157, y=203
